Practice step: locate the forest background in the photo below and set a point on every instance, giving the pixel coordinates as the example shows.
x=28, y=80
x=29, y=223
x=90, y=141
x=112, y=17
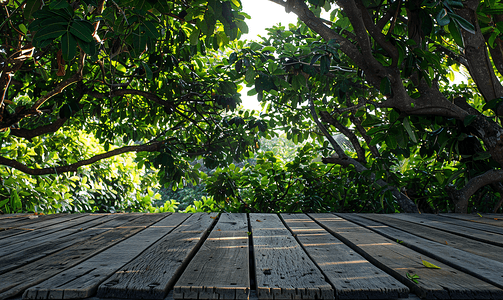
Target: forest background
x=132, y=105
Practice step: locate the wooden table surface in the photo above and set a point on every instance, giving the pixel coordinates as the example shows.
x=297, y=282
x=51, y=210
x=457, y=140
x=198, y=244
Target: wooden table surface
x=250, y=256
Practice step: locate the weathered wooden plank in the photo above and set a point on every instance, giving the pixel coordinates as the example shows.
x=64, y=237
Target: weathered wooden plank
x=483, y=268
x=494, y=221
x=16, y=281
x=152, y=274
x=10, y=216
x=282, y=269
x=61, y=223
x=20, y=221
x=398, y=260
x=83, y=280
x=353, y=276
x=459, y=242
x=24, y=253
x=38, y=224
x=71, y=227
x=466, y=223
x=225, y=252
x=426, y=220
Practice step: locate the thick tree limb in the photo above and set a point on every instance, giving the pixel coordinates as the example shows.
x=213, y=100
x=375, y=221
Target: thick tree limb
x=31, y=133
x=376, y=33
x=316, y=24
x=480, y=69
x=23, y=112
x=327, y=118
x=73, y=167
x=405, y=203
x=462, y=196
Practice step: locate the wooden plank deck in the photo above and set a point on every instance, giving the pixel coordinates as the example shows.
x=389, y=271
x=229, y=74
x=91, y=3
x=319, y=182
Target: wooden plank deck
x=251, y=256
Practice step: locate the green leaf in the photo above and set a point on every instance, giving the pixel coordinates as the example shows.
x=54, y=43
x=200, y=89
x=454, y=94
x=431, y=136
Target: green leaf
x=82, y=30
x=468, y=120
x=58, y=4
x=413, y=277
x=456, y=35
x=236, y=2
x=482, y=156
x=68, y=46
x=463, y=23
x=385, y=87
x=391, y=141
x=429, y=265
x=148, y=71
x=406, y=125
x=440, y=177
x=324, y=64
x=443, y=17
x=493, y=104
x=50, y=32
x=31, y=7
x=290, y=48
x=194, y=36
x=151, y=30
x=250, y=75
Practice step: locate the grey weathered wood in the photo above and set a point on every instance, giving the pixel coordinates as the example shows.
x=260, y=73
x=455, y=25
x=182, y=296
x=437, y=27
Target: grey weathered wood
x=152, y=274
x=429, y=220
x=494, y=221
x=82, y=280
x=459, y=242
x=38, y=224
x=24, y=253
x=466, y=223
x=353, y=276
x=16, y=281
x=20, y=221
x=9, y=216
x=71, y=227
x=64, y=222
x=483, y=268
x=282, y=269
x=220, y=269
x=398, y=260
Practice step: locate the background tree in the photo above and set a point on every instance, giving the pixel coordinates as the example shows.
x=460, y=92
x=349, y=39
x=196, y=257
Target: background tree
x=133, y=76
x=378, y=72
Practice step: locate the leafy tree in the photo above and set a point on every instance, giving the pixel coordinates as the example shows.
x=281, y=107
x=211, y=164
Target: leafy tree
x=158, y=78
x=136, y=76
x=379, y=71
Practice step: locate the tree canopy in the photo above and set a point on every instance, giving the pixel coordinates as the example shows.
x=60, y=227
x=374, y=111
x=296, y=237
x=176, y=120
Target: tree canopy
x=103, y=100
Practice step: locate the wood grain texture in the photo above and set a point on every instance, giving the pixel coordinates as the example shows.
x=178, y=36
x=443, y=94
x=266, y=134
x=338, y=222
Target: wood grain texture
x=489, y=251
x=153, y=273
x=19, y=254
x=352, y=275
x=477, y=266
x=466, y=223
x=64, y=222
x=283, y=270
x=21, y=221
x=220, y=269
x=433, y=222
x=36, y=229
x=16, y=281
x=398, y=260
x=492, y=221
x=82, y=280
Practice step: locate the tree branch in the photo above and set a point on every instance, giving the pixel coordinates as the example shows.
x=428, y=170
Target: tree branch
x=326, y=117
x=462, y=196
x=73, y=167
x=405, y=203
